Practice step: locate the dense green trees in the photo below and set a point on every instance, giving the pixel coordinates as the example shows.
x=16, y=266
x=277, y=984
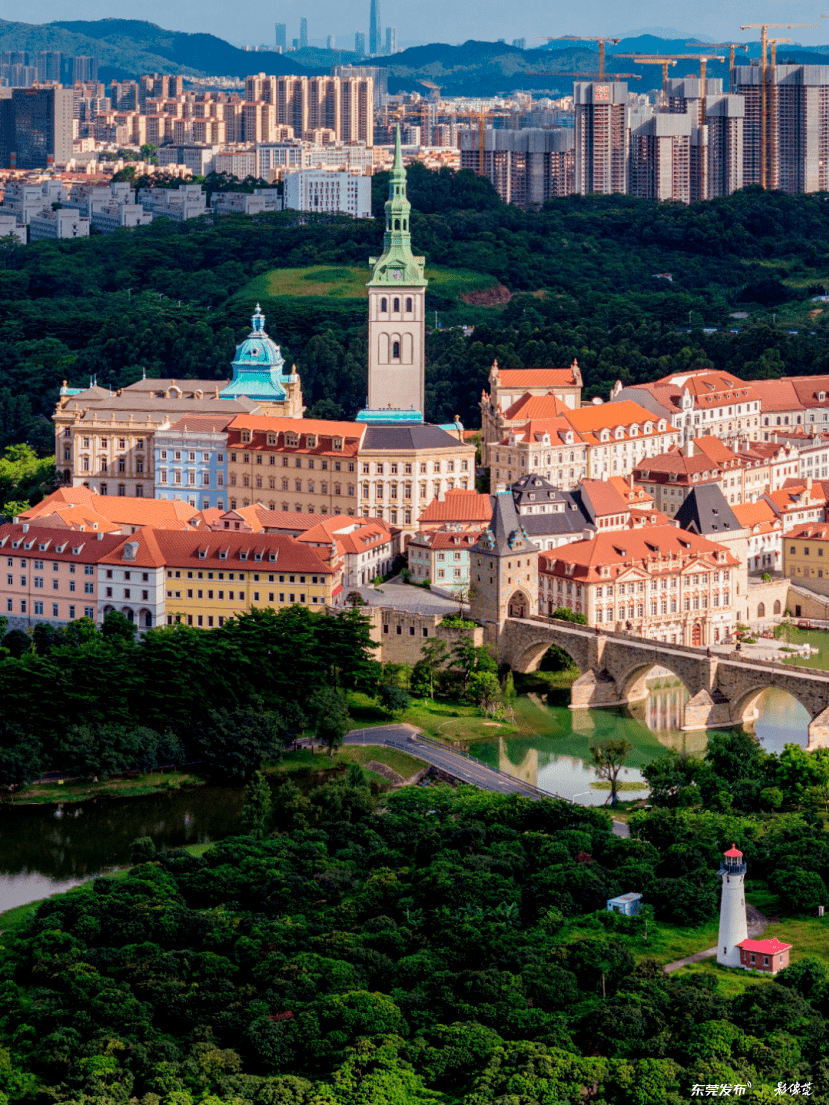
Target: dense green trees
x=92, y=702
x=581, y=274
x=448, y=946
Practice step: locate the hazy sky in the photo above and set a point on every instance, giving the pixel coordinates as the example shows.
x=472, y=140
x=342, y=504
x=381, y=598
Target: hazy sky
x=437, y=20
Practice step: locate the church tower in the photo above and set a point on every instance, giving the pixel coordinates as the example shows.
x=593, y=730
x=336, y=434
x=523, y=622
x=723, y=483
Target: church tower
x=733, y=926
x=396, y=315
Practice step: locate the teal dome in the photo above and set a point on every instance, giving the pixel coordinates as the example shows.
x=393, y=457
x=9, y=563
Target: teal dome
x=258, y=367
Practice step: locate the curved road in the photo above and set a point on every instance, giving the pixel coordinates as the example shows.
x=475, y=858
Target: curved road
x=407, y=739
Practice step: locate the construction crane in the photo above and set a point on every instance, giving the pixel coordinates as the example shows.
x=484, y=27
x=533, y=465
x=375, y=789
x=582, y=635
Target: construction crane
x=587, y=76
x=586, y=38
x=730, y=46
x=480, y=117
x=656, y=59
x=765, y=115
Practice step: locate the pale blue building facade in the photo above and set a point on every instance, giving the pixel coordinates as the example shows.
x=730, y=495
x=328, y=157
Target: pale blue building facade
x=191, y=461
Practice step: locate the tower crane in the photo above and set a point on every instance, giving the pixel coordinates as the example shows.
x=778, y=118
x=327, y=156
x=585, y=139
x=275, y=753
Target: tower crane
x=730, y=46
x=586, y=38
x=656, y=59
x=765, y=144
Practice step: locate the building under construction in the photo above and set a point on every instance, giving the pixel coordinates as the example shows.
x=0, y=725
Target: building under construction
x=602, y=137
x=527, y=167
x=787, y=123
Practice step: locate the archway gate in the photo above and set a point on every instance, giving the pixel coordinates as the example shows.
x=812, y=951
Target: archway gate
x=612, y=666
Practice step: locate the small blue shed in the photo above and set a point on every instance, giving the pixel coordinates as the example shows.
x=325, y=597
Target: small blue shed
x=629, y=904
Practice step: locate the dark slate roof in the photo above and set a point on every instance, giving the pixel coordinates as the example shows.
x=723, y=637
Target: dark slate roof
x=706, y=512
x=392, y=438
x=557, y=522
x=533, y=491
x=505, y=535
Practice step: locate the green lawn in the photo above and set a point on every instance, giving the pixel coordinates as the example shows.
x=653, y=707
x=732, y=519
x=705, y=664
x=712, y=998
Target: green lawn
x=79, y=790
x=349, y=282
x=398, y=761
x=453, y=722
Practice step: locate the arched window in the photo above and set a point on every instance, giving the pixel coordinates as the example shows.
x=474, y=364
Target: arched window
x=761, y=610
x=384, y=304
x=397, y=224
x=777, y=606
x=409, y=304
x=397, y=304
x=395, y=351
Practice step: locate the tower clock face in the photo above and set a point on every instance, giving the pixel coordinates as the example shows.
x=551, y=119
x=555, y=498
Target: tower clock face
x=396, y=274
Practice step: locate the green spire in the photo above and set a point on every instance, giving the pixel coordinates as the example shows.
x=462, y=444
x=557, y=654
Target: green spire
x=397, y=266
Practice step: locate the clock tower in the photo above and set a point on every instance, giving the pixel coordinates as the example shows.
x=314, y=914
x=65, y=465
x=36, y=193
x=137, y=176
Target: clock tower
x=396, y=315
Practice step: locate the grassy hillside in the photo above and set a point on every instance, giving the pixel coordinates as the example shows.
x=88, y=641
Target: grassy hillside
x=349, y=282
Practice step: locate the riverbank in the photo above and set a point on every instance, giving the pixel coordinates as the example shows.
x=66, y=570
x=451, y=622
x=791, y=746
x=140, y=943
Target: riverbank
x=70, y=791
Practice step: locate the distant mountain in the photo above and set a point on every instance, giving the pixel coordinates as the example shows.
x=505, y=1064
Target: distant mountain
x=127, y=48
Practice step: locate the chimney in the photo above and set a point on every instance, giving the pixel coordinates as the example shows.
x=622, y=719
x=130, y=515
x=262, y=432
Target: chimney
x=808, y=483
x=25, y=527
x=99, y=536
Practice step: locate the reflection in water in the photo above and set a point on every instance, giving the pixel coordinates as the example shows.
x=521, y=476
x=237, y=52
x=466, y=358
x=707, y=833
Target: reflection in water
x=781, y=720
x=44, y=849
x=557, y=758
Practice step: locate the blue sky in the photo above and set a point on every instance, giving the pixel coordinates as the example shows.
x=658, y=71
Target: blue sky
x=437, y=20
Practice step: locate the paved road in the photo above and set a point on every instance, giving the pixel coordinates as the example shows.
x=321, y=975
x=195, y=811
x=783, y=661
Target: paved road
x=405, y=737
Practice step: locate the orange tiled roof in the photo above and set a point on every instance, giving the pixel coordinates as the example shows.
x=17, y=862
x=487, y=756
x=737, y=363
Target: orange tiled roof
x=625, y=548
x=268, y=552
x=604, y=497
x=754, y=514
x=537, y=377
x=459, y=506
x=607, y=416
x=535, y=406
x=59, y=543
x=448, y=538
x=777, y=395
x=798, y=497
x=635, y=495
x=319, y=426
x=120, y=509
x=815, y=531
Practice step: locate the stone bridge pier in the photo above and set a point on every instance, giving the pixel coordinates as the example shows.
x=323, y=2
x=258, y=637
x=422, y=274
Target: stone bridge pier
x=614, y=667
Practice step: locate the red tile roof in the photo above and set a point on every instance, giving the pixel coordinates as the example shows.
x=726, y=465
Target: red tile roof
x=121, y=509
x=622, y=549
x=201, y=424
x=448, y=538
x=266, y=552
x=813, y=531
x=459, y=506
x=59, y=543
x=765, y=947
x=537, y=377
x=535, y=406
x=777, y=395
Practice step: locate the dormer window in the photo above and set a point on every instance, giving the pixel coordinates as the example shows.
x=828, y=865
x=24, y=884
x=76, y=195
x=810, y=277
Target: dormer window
x=202, y=554
x=76, y=551
x=271, y=439
x=257, y=556
x=311, y=439
x=223, y=554
x=246, y=437
x=291, y=440
x=243, y=556
x=821, y=396
x=272, y=557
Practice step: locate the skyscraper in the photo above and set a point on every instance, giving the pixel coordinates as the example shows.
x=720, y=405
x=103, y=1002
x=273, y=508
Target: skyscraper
x=602, y=137
x=303, y=34
x=360, y=44
x=391, y=41
x=84, y=69
x=331, y=43
x=48, y=64
x=37, y=127
x=281, y=36
x=374, y=45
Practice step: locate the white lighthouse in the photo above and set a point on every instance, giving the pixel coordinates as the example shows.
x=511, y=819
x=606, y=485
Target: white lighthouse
x=733, y=926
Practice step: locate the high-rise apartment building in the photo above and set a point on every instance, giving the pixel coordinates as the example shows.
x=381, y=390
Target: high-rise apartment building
x=602, y=150
x=660, y=157
x=360, y=44
x=342, y=105
x=84, y=69
x=527, y=167
x=303, y=34
x=124, y=95
x=795, y=139
x=377, y=73
x=374, y=46
x=391, y=41
x=36, y=127
x=281, y=36
x=331, y=43
x=48, y=64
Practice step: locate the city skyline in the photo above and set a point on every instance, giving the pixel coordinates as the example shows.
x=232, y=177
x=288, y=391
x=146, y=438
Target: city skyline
x=432, y=21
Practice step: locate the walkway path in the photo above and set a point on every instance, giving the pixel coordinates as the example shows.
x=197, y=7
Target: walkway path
x=463, y=767
x=757, y=923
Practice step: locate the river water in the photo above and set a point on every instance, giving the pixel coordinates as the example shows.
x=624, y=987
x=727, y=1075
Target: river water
x=45, y=849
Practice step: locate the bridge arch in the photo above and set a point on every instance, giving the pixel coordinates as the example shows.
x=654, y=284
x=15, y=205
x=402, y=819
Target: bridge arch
x=744, y=706
x=518, y=605
x=632, y=684
x=531, y=654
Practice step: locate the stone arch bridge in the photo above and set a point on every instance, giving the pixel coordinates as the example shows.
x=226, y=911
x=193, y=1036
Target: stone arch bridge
x=723, y=688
